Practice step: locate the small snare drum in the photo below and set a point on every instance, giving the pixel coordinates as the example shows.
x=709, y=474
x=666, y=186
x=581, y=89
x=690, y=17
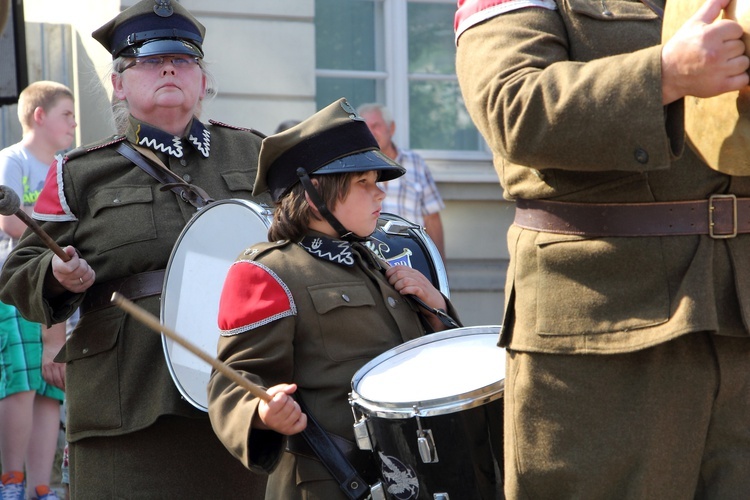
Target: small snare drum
x=431, y=410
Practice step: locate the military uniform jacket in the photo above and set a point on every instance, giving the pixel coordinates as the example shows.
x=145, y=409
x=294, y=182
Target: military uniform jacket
x=320, y=315
x=573, y=89
x=122, y=224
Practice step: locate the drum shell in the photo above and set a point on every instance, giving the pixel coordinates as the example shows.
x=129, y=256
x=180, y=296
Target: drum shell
x=469, y=446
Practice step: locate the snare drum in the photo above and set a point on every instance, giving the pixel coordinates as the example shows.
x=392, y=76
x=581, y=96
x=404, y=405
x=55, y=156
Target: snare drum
x=211, y=242
x=431, y=410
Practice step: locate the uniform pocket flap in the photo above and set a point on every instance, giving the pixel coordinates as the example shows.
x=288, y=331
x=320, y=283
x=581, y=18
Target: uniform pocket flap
x=95, y=333
x=238, y=180
x=119, y=196
x=328, y=297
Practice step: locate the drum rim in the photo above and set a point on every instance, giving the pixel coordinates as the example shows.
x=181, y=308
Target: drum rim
x=166, y=341
x=432, y=250
x=433, y=407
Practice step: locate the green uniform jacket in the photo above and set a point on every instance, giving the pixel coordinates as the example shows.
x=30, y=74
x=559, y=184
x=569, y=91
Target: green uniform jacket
x=569, y=100
x=345, y=316
x=117, y=377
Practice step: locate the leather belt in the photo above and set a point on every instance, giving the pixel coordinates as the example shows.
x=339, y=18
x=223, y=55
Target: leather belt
x=132, y=287
x=720, y=216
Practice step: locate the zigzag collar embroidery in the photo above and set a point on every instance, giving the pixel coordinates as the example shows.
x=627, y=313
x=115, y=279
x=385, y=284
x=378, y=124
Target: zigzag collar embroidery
x=143, y=134
x=336, y=251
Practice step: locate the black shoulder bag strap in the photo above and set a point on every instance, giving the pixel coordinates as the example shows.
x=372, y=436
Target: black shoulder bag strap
x=190, y=193
x=333, y=458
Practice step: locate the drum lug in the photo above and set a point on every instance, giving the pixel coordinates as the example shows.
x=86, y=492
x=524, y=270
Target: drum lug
x=377, y=492
x=425, y=443
x=426, y=446
x=362, y=435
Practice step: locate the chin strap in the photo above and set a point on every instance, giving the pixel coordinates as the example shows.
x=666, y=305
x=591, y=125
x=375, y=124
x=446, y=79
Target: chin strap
x=344, y=234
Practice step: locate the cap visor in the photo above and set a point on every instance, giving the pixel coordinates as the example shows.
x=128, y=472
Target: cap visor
x=364, y=162
x=161, y=47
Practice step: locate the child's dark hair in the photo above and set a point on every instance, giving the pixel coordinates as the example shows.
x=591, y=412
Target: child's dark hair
x=292, y=214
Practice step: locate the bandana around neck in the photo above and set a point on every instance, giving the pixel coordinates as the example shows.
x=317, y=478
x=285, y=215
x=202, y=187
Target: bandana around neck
x=143, y=134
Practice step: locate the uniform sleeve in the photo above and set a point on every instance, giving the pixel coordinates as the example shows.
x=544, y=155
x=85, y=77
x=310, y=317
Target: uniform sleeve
x=546, y=96
x=23, y=275
x=257, y=323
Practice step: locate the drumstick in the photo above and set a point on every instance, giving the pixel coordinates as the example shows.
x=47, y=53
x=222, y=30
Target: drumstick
x=152, y=322
x=10, y=204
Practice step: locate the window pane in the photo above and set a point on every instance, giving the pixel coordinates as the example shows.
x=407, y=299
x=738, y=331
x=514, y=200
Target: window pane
x=438, y=118
x=431, y=48
x=345, y=34
x=357, y=91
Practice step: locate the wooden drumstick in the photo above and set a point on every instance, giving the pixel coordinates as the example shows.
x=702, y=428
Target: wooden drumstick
x=10, y=204
x=152, y=322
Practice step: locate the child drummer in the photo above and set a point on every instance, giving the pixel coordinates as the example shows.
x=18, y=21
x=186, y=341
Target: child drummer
x=301, y=314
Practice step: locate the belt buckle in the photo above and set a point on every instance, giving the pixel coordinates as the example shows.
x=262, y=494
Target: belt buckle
x=712, y=208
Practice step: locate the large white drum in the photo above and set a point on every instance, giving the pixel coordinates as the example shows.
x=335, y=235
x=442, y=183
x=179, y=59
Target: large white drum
x=208, y=245
x=431, y=410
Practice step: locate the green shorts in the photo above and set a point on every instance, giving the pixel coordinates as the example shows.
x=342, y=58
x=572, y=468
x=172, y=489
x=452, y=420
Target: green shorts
x=21, y=356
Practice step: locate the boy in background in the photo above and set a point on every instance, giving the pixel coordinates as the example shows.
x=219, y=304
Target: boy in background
x=31, y=383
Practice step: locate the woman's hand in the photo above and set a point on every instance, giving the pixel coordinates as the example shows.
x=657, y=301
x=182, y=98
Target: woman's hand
x=75, y=275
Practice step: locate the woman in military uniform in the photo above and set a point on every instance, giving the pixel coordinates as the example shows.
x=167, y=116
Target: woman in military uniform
x=131, y=434
x=303, y=313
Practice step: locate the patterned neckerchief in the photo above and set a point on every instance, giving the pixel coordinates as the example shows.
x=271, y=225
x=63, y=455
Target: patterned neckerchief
x=143, y=134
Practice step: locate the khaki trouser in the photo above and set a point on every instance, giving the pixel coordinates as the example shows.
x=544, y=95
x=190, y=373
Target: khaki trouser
x=669, y=422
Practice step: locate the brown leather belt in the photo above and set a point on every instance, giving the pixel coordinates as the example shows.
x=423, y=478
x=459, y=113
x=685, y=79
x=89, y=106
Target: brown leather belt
x=721, y=216
x=133, y=287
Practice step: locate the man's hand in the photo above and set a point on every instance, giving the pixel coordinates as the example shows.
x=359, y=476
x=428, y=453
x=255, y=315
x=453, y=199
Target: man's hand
x=705, y=57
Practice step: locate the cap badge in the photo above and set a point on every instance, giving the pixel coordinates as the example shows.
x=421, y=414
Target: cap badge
x=163, y=8
x=352, y=112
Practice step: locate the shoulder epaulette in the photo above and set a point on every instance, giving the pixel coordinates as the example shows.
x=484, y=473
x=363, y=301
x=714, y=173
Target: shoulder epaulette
x=82, y=150
x=258, y=249
x=234, y=127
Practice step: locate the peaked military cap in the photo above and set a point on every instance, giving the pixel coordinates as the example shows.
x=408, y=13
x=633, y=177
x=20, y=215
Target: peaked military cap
x=334, y=140
x=151, y=28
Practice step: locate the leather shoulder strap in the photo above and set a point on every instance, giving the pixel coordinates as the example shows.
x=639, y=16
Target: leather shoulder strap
x=350, y=482
x=156, y=169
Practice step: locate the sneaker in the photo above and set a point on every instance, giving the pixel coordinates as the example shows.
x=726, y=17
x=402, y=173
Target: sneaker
x=12, y=486
x=44, y=493
x=13, y=491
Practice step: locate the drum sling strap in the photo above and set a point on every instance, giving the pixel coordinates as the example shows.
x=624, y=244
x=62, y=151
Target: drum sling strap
x=334, y=460
x=189, y=193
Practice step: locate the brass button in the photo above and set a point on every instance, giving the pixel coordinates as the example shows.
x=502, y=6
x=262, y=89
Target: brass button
x=392, y=302
x=187, y=178
x=345, y=297
x=183, y=162
x=85, y=350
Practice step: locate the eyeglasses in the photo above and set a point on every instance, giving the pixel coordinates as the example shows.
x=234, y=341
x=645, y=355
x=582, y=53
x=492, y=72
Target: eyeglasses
x=155, y=62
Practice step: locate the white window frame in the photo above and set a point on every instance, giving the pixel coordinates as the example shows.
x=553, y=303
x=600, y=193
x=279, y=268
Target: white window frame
x=393, y=81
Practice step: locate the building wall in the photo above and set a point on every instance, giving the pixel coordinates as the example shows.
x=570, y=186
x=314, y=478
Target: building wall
x=263, y=57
